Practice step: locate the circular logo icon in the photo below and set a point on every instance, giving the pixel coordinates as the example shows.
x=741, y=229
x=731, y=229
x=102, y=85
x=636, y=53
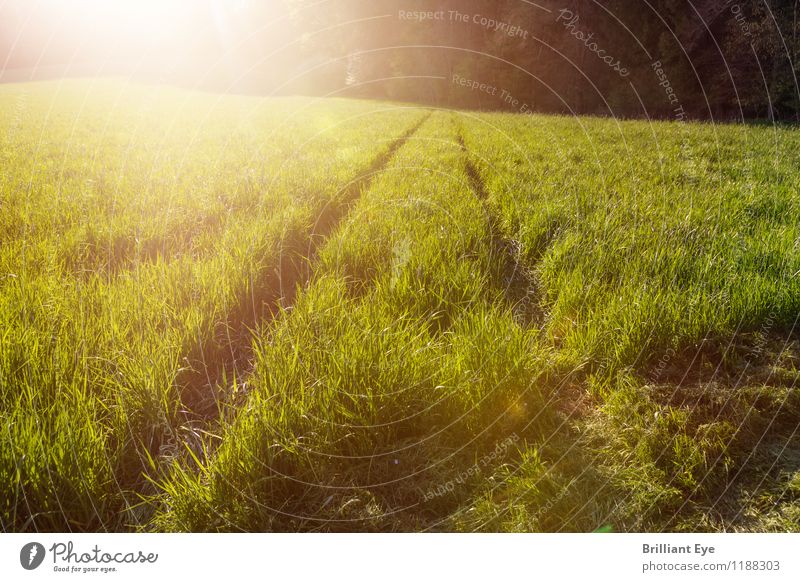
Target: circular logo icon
x=31, y=555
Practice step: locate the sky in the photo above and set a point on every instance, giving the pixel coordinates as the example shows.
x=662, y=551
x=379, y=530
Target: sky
x=137, y=37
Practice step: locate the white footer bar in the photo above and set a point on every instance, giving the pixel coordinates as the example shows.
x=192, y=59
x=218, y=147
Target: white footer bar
x=357, y=557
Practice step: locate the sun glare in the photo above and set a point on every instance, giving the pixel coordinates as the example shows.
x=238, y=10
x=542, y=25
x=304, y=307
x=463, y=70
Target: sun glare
x=155, y=34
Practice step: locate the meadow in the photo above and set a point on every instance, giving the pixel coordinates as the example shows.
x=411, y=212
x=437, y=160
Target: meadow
x=231, y=313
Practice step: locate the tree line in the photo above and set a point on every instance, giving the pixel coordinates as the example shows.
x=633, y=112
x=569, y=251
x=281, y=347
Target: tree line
x=668, y=58
x=707, y=59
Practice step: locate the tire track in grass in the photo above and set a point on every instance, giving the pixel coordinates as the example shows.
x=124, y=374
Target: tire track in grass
x=154, y=424
x=333, y=213
x=204, y=386
x=518, y=283
x=421, y=395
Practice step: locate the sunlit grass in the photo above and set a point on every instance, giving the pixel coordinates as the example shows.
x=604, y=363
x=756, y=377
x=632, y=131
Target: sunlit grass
x=103, y=342
x=236, y=313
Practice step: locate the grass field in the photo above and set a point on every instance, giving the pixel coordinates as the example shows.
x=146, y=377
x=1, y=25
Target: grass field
x=288, y=314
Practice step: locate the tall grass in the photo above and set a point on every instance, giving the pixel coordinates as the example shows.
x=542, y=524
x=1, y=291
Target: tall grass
x=395, y=368
x=647, y=236
x=667, y=261
x=111, y=349
x=237, y=313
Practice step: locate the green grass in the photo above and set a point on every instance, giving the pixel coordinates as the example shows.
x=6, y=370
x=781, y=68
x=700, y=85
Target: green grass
x=236, y=313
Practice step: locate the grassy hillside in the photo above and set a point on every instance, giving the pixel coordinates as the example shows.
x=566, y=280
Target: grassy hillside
x=237, y=313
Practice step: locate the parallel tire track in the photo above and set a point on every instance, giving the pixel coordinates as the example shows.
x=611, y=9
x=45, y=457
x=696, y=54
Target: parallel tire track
x=519, y=285
x=203, y=385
